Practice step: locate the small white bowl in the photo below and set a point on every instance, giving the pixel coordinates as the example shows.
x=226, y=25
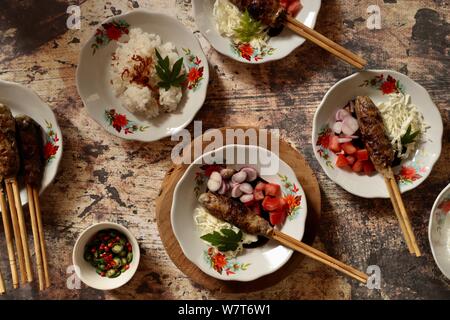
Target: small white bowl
x=411, y=172
x=86, y=272
x=282, y=45
x=93, y=81
x=439, y=231
x=252, y=263
x=24, y=101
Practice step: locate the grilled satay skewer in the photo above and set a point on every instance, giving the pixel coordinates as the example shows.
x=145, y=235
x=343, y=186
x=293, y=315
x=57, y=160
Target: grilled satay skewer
x=382, y=155
x=9, y=167
x=237, y=214
x=2, y=284
x=30, y=146
x=272, y=14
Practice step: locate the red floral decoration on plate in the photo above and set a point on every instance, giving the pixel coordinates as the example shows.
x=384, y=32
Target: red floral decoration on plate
x=111, y=31
x=121, y=123
x=386, y=85
x=195, y=70
x=51, y=146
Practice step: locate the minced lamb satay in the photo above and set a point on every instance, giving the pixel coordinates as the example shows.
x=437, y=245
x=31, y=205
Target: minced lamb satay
x=9, y=168
x=30, y=146
x=235, y=213
x=269, y=12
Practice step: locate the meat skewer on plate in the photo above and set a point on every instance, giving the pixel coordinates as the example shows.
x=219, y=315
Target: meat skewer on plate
x=237, y=214
x=30, y=145
x=273, y=14
x=382, y=155
x=9, y=168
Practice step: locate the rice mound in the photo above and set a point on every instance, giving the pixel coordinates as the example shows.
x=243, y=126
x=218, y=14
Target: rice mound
x=143, y=99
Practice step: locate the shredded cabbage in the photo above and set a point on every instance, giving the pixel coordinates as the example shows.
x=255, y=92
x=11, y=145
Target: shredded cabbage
x=398, y=114
x=228, y=18
x=207, y=223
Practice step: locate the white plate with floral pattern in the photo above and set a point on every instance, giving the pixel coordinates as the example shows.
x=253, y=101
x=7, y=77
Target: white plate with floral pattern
x=278, y=47
x=439, y=231
x=24, y=101
x=251, y=263
x=377, y=84
x=96, y=91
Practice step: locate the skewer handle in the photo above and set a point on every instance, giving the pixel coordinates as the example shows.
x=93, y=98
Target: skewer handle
x=9, y=239
x=405, y=216
x=37, y=207
x=16, y=229
x=22, y=227
x=399, y=216
x=2, y=284
x=325, y=43
x=36, y=238
x=319, y=256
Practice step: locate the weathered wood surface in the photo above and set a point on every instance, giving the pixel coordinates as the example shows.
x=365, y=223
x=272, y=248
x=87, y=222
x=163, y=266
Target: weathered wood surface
x=105, y=178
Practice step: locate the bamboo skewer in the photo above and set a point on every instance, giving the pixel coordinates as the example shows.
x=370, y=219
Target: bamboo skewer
x=22, y=226
x=325, y=43
x=9, y=240
x=2, y=284
x=36, y=238
x=16, y=229
x=319, y=256
x=404, y=215
x=37, y=207
x=399, y=216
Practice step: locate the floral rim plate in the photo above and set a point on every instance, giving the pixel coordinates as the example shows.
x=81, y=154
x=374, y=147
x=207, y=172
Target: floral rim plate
x=439, y=231
x=279, y=46
x=252, y=263
x=377, y=84
x=94, y=86
x=22, y=100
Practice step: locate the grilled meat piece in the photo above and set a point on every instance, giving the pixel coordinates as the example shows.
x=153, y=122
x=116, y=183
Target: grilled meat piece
x=236, y=213
x=9, y=155
x=373, y=134
x=269, y=12
x=30, y=147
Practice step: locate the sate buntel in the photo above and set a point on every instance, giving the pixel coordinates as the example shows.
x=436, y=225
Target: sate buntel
x=235, y=213
x=373, y=135
x=9, y=156
x=30, y=145
x=269, y=12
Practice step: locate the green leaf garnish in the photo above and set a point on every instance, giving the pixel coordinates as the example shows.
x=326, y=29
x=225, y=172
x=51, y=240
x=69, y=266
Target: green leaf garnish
x=169, y=77
x=249, y=28
x=409, y=137
x=225, y=240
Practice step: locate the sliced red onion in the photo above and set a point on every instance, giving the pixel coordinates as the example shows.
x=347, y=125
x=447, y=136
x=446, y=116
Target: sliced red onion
x=214, y=185
x=337, y=127
x=239, y=177
x=223, y=188
x=341, y=114
x=246, y=188
x=349, y=126
x=252, y=174
x=236, y=192
x=246, y=198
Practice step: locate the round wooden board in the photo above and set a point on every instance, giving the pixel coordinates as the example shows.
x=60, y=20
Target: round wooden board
x=306, y=178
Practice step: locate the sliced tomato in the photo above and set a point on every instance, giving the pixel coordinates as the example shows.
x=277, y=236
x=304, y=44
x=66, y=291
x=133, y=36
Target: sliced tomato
x=348, y=148
x=368, y=167
x=362, y=155
x=277, y=217
x=341, y=161
x=260, y=186
x=358, y=166
x=271, y=203
x=351, y=160
x=273, y=189
x=258, y=195
x=294, y=8
x=334, y=144
x=284, y=204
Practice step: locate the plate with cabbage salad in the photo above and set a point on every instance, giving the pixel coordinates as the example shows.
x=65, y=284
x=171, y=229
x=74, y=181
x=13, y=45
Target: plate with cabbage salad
x=411, y=120
x=236, y=34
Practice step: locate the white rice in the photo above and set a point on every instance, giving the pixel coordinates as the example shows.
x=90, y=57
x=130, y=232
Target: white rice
x=137, y=98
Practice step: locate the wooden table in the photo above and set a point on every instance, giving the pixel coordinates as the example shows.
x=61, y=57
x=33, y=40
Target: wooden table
x=105, y=178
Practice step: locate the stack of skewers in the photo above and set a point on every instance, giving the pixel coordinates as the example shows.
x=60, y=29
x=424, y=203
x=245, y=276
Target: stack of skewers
x=21, y=152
